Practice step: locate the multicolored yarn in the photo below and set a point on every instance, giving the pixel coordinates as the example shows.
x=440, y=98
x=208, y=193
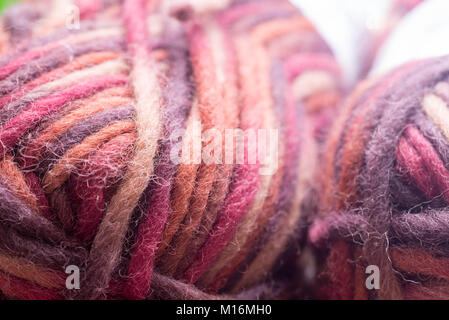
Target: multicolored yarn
x=385, y=182
x=86, y=118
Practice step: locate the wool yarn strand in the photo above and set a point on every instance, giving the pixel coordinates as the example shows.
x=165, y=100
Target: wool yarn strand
x=91, y=118
x=388, y=209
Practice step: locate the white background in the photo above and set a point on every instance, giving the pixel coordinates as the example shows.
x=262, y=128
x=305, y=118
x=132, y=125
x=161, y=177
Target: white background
x=348, y=25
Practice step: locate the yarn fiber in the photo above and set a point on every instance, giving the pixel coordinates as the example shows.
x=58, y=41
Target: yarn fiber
x=86, y=119
x=385, y=188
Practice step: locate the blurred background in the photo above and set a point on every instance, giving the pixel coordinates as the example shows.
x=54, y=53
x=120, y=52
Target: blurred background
x=371, y=37
x=5, y=3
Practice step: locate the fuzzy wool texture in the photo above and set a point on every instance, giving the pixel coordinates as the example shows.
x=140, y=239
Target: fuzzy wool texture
x=86, y=122
x=385, y=189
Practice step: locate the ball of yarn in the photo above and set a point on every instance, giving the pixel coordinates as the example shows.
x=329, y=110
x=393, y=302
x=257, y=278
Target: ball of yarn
x=385, y=188
x=91, y=119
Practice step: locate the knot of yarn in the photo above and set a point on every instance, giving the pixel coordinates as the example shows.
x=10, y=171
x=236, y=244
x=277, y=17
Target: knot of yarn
x=385, y=185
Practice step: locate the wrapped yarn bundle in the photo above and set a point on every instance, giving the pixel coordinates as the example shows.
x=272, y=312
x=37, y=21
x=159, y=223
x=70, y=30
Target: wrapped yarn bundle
x=100, y=128
x=385, y=189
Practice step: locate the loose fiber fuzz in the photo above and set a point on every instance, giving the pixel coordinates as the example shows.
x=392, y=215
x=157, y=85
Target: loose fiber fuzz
x=86, y=120
x=385, y=184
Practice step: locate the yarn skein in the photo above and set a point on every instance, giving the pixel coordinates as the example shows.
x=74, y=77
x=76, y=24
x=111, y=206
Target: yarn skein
x=384, y=198
x=87, y=119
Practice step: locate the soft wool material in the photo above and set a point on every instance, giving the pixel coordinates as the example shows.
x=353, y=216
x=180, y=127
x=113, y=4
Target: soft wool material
x=86, y=117
x=385, y=188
